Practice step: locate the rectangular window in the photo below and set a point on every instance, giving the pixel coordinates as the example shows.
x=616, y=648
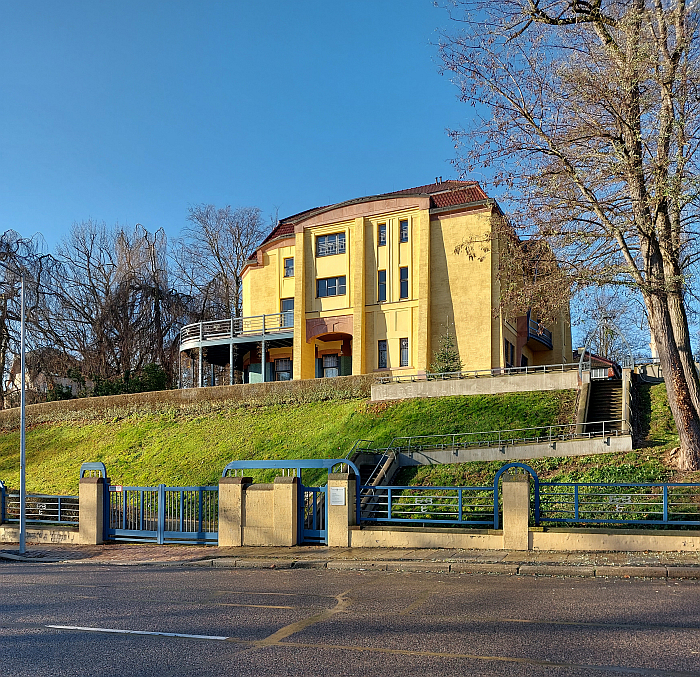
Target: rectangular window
x=327, y=245
x=289, y=267
x=381, y=285
x=403, y=279
x=283, y=370
x=381, y=235
x=330, y=366
x=287, y=310
x=508, y=353
x=382, y=362
x=403, y=360
x=403, y=230
x=330, y=286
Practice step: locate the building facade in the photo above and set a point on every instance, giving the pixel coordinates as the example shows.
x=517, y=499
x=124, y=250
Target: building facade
x=371, y=285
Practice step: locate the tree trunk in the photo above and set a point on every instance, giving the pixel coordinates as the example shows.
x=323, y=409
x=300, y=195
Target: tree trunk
x=680, y=399
x=679, y=322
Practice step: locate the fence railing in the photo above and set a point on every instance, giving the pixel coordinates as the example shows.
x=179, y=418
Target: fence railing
x=538, y=331
x=466, y=506
x=163, y=513
x=484, y=373
x=237, y=326
x=501, y=438
x=644, y=503
x=42, y=509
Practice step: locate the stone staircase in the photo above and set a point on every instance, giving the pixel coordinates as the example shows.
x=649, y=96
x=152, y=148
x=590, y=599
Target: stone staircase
x=604, y=404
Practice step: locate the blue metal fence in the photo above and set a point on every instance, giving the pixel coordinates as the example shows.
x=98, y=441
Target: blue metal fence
x=625, y=503
x=41, y=508
x=461, y=506
x=653, y=504
x=163, y=514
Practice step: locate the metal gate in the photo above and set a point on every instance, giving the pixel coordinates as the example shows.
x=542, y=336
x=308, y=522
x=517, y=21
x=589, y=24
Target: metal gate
x=313, y=513
x=162, y=514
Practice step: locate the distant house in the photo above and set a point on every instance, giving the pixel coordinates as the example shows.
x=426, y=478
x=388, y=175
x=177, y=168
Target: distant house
x=370, y=285
x=43, y=373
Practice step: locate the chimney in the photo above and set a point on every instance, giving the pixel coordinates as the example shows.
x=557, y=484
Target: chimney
x=436, y=180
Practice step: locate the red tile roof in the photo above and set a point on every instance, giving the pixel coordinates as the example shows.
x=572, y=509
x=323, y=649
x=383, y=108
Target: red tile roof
x=443, y=194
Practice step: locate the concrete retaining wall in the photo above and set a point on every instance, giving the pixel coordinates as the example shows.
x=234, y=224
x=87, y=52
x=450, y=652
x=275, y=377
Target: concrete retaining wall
x=9, y=533
x=520, y=452
x=487, y=385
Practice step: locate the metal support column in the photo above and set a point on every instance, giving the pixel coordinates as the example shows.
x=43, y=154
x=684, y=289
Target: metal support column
x=230, y=363
x=263, y=356
x=200, y=374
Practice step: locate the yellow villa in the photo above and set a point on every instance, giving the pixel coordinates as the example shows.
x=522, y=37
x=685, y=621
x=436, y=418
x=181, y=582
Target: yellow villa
x=369, y=286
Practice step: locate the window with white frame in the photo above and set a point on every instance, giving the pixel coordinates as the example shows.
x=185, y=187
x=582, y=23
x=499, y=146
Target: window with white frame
x=327, y=245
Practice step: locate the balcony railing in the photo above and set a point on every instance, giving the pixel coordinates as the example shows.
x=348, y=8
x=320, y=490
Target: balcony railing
x=235, y=327
x=538, y=331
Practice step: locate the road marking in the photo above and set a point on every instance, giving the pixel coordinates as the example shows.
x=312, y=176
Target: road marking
x=116, y=631
x=274, y=641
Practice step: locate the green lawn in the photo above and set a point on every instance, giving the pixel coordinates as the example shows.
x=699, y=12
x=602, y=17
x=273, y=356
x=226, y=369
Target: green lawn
x=184, y=446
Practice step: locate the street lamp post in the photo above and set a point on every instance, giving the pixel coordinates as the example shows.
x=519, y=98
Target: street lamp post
x=22, y=455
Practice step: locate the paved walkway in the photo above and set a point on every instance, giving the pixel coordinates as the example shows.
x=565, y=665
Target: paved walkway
x=624, y=564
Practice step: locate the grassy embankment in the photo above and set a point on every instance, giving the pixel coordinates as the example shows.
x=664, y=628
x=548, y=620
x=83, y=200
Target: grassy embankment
x=190, y=445
x=650, y=463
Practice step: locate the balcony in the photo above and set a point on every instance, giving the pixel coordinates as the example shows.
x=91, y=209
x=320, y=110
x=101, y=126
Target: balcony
x=238, y=330
x=536, y=331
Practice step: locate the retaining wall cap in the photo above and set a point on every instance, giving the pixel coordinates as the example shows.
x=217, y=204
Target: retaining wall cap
x=235, y=480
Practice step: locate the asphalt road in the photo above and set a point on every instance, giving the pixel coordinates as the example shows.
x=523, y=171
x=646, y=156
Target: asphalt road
x=321, y=622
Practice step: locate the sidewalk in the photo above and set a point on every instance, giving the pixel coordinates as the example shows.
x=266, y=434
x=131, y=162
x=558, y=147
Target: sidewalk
x=513, y=562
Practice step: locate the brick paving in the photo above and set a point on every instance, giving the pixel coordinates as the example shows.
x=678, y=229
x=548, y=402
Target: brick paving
x=654, y=564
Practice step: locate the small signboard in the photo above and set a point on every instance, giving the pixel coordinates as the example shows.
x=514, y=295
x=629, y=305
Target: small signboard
x=337, y=495
x=117, y=487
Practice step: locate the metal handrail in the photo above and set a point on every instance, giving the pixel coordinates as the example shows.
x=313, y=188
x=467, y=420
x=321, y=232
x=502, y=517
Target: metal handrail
x=480, y=373
x=234, y=327
x=507, y=437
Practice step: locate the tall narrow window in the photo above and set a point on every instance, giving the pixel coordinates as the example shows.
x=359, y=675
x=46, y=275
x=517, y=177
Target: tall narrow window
x=403, y=360
x=381, y=235
x=287, y=310
x=508, y=353
x=403, y=279
x=382, y=362
x=289, y=267
x=403, y=230
x=381, y=285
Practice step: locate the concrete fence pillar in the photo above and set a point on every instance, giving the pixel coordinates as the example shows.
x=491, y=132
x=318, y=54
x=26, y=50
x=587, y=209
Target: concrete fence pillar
x=341, y=509
x=231, y=510
x=91, y=510
x=516, y=511
x=286, y=510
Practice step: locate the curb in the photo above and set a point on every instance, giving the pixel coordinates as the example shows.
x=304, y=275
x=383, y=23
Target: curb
x=437, y=566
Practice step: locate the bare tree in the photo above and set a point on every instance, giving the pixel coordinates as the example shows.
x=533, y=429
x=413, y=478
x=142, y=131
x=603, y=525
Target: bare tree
x=588, y=111
x=618, y=307
x=112, y=305
x=20, y=256
x=211, y=255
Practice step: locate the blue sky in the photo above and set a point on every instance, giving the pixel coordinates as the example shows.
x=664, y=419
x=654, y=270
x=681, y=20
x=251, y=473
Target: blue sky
x=129, y=112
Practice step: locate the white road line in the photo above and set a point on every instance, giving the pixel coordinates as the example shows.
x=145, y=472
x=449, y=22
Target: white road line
x=138, y=632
